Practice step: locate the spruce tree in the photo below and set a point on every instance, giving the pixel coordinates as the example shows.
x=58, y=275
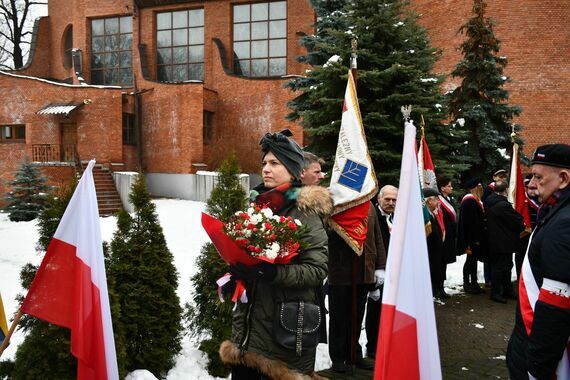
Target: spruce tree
x=29, y=193
x=207, y=316
x=145, y=281
x=395, y=62
x=479, y=105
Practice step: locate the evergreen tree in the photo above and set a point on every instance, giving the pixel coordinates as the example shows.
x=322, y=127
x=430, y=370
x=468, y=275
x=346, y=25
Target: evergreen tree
x=45, y=352
x=480, y=104
x=395, y=61
x=145, y=281
x=28, y=195
x=207, y=316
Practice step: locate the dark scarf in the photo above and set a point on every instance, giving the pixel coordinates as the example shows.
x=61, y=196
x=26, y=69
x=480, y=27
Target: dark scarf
x=546, y=207
x=277, y=198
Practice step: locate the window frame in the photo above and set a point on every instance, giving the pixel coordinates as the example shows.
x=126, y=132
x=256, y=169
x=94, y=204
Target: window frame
x=13, y=132
x=188, y=64
x=236, y=67
x=117, y=67
x=129, y=129
x=207, y=127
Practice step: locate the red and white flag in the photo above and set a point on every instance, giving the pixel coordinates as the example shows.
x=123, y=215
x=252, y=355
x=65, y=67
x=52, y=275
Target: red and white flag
x=407, y=339
x=517, y=194
x=426, y=167
x=353, y=182
x=70, y=287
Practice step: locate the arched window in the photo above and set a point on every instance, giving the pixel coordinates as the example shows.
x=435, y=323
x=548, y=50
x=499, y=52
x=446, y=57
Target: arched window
x=67, y=46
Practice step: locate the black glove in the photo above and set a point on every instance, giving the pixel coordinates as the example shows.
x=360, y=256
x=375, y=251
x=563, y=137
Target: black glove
x=263, y=272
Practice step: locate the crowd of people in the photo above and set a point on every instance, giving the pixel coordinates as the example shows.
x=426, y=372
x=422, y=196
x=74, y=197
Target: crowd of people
x=484, y=227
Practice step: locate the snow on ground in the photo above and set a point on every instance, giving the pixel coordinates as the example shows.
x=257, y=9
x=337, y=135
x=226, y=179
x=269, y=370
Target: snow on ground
x=180, y=220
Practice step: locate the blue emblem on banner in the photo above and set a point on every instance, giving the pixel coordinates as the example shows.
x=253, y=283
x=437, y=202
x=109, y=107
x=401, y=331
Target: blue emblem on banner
x=353, y=175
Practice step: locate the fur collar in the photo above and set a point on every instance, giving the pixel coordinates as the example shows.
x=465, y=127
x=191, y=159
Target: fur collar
x=315, y=199
x=274, y=369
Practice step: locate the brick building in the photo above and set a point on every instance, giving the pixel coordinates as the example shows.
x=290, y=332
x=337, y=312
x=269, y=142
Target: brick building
x=172, y=86
x=167, y=85
x=535, y=37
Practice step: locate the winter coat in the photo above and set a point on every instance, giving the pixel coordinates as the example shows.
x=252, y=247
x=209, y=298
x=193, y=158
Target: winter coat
x=549, y=258
x=252, y=343
x=341, y=256
x=450, y=224
x=472, y=228
x=384, y=228
x=504, y=225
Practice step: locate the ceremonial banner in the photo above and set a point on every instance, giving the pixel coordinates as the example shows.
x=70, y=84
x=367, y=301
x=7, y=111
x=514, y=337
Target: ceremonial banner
x=517, y=194
x=70, y=287
x=407, y=340
x=353, y=182
x=3, y=322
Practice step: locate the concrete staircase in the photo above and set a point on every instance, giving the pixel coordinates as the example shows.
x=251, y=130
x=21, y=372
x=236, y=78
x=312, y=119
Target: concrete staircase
x=107, y=196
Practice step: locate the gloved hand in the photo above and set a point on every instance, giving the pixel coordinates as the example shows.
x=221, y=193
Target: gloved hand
x=374, y=295
x=379, y=275
x=229, y=288
x=263, y=272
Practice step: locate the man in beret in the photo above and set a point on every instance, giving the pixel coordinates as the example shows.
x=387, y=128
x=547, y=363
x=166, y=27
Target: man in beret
x=539, y=345
x=435, y=243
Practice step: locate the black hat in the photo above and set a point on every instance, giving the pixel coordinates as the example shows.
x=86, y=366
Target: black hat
x=471, y=183
x=552, y=155
x=285, y=150
x=498, y=171
x=430, y=192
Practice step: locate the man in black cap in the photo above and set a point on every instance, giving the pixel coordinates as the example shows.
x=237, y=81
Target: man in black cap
x=435, y=243
x=472, y=234
x=539, y=345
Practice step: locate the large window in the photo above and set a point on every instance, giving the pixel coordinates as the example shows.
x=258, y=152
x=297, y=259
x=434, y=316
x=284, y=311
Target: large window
x=180, y=45
x=111, y=51
x=12, y=133
x=260, y=39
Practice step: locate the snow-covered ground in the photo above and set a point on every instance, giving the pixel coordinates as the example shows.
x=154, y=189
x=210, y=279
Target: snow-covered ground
x=180, y=221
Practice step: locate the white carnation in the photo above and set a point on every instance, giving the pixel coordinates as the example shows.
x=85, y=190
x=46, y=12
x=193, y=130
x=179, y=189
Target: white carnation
x=297, y=222
x=267, y=212
x=246, y=233
x=255, y=218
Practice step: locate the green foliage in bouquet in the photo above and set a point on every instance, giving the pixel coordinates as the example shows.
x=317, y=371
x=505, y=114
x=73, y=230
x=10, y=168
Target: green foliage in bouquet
x=207, y=317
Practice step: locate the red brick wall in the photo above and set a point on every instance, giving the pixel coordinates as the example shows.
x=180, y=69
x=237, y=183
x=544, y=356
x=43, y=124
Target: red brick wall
x=535, y=37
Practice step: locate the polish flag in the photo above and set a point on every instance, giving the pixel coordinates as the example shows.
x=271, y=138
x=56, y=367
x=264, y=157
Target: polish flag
x=517, y=194
x=407, y=340
x=70, y=287
x=353, y=182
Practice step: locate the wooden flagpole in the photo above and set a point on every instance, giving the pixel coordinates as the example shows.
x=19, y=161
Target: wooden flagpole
x=6, y=340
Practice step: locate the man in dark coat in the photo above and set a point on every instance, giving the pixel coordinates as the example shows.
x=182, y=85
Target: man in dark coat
x=368, y=271
x=472, y=234
x=385, y=210
x=435, y=243
x=449, y=214
x=539, y=345
x=504, y=225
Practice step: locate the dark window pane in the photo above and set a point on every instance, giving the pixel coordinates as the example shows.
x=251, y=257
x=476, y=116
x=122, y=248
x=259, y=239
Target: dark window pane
x=164, y=56
x=180, y=55
x=277, y=29
x=126, y=24
x=277, y=66
x=278, y=10
x=197, y=54
x=241, y=68
x=111, y=43
x=96, y=60
x=20, y=133
x=179, y=73
x=164, y=38
x=163, y=21
x=241, y=50
x=241, y=32
x=125, y=59
x=164, y=73
x=125, y=76
x=259, y=11
x=258, y=30
x=111, y=25
x=97, y=27
x=196, y=36
x=259, y=68
x=111, y=76
x=98, y=44
x=196, y=17
x=111, y=59
x=179, y=37
x=197, y=71
x=125, y=42
x=97, y=76
x=277, y=48
x=259, y=49
x=241, y=13
x=180, y=19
